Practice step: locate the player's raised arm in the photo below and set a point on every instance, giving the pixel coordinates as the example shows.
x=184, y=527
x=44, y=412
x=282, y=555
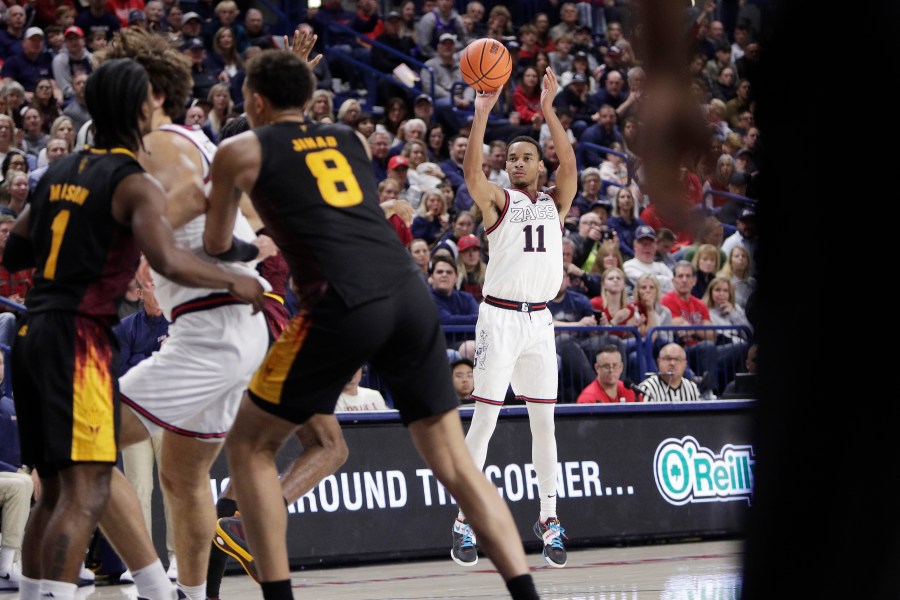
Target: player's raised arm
x=567, y=172
x=486, y=195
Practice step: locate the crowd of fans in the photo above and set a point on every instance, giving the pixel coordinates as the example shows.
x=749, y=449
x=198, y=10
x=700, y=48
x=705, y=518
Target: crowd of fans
x=418, y=140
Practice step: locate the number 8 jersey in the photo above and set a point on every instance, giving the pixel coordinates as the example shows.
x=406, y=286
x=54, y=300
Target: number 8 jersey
x=525, y=246
x=316, y=193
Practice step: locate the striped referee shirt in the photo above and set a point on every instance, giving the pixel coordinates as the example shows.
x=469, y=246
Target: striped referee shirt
x=657, y=390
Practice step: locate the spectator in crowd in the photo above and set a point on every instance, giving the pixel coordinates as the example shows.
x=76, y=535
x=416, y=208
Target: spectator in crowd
x=191, y=27
x=573, y=98
x=15, y=191
x=670, y=384
x=31, y=64
x=724, y=88
x=12, y=36
x=409, y=130
x=365, y=123
x=718, y=182
x=379, y=144
x=16, y=491
x=633, y=103
x=647, y=297
x=432, y=219
x=226, y=14
x=421, y=255
x=219, y=98
x=739, y=110
x=98, y=19
x=423, y=108
x=386, y=61
x=443, y=20
x=224, y=59
x=389, y=199
x=130, y=302
x=172, y=26
x=707, y=261
x=7, y=135
x=75, y=58
x=15, y=99
x=608, y=388
x=614, y=170
x=452, y=167
x=56, y=148
x=625, y=220
x=470, y=267
x=568, y=16
x=44, y=100
x=455, y=307
x=691, y=311
x=204, y=77
x=462, y=224
x=665, y=241
x=579, y=279
x=354, y=397
x=15, y=160
x=572, y=309
x=395, y=114
x=527, y=95
x=445, y=67
x=153, y=11
x=499, y=23
x=721, y=61
x=462, y=371
x=76, y=109
x=561, y=58
x=407, y=10
x=348, y=112
x=602, y=133
x=643, y=262
x=34, y=139
x=321, y=107
x=398, y=170
x=745, y=236
x=258, y=33
x=590, y=231
x=737, y=269
x=613, y=308
x=613, y=94
x=724, y=310
x=606, y=256
x=436, y=140
x=417, y=153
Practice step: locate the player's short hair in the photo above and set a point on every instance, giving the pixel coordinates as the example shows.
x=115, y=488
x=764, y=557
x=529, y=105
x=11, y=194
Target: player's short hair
x=115, y=94
x=168, y=69
x=530, y=140
x=285, y=80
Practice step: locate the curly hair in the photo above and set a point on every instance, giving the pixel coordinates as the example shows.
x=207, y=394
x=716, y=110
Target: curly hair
x=169, y=70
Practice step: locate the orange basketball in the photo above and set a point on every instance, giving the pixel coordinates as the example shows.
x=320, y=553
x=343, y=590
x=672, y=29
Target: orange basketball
x=485, y=65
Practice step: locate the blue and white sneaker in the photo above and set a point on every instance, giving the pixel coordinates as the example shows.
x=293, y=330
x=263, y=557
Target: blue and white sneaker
x=464, y=551
x=552, y=534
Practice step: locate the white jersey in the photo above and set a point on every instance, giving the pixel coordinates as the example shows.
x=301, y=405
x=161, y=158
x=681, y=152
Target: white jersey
x=525, y=245
x=190, y=235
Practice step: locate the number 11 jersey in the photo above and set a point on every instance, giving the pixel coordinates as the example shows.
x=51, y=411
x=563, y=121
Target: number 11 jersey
x=525, y=247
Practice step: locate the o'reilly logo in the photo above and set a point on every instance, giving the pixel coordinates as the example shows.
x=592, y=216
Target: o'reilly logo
x=686, y=472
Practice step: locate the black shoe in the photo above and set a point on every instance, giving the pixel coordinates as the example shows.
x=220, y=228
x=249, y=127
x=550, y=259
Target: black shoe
x=552, y=533
x=464, y=551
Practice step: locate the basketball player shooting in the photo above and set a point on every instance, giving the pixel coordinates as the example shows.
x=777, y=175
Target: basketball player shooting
x=514, y=334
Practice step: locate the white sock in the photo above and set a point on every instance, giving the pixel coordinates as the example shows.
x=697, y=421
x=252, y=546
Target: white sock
x=547, y=514
x=7, y=555
x=543, y=455
x=29, y=589
x=151, y=582
x=193, y=592
x=58, y=589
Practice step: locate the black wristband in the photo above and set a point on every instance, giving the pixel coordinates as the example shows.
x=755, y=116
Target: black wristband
x=240, y=251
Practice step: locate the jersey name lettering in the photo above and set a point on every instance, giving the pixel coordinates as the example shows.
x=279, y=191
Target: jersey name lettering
x=69, y=193
x=314, y=143
x=532, y=213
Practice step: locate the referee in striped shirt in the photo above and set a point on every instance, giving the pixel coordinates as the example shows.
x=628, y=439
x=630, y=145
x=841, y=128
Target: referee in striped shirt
x=669, y=385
